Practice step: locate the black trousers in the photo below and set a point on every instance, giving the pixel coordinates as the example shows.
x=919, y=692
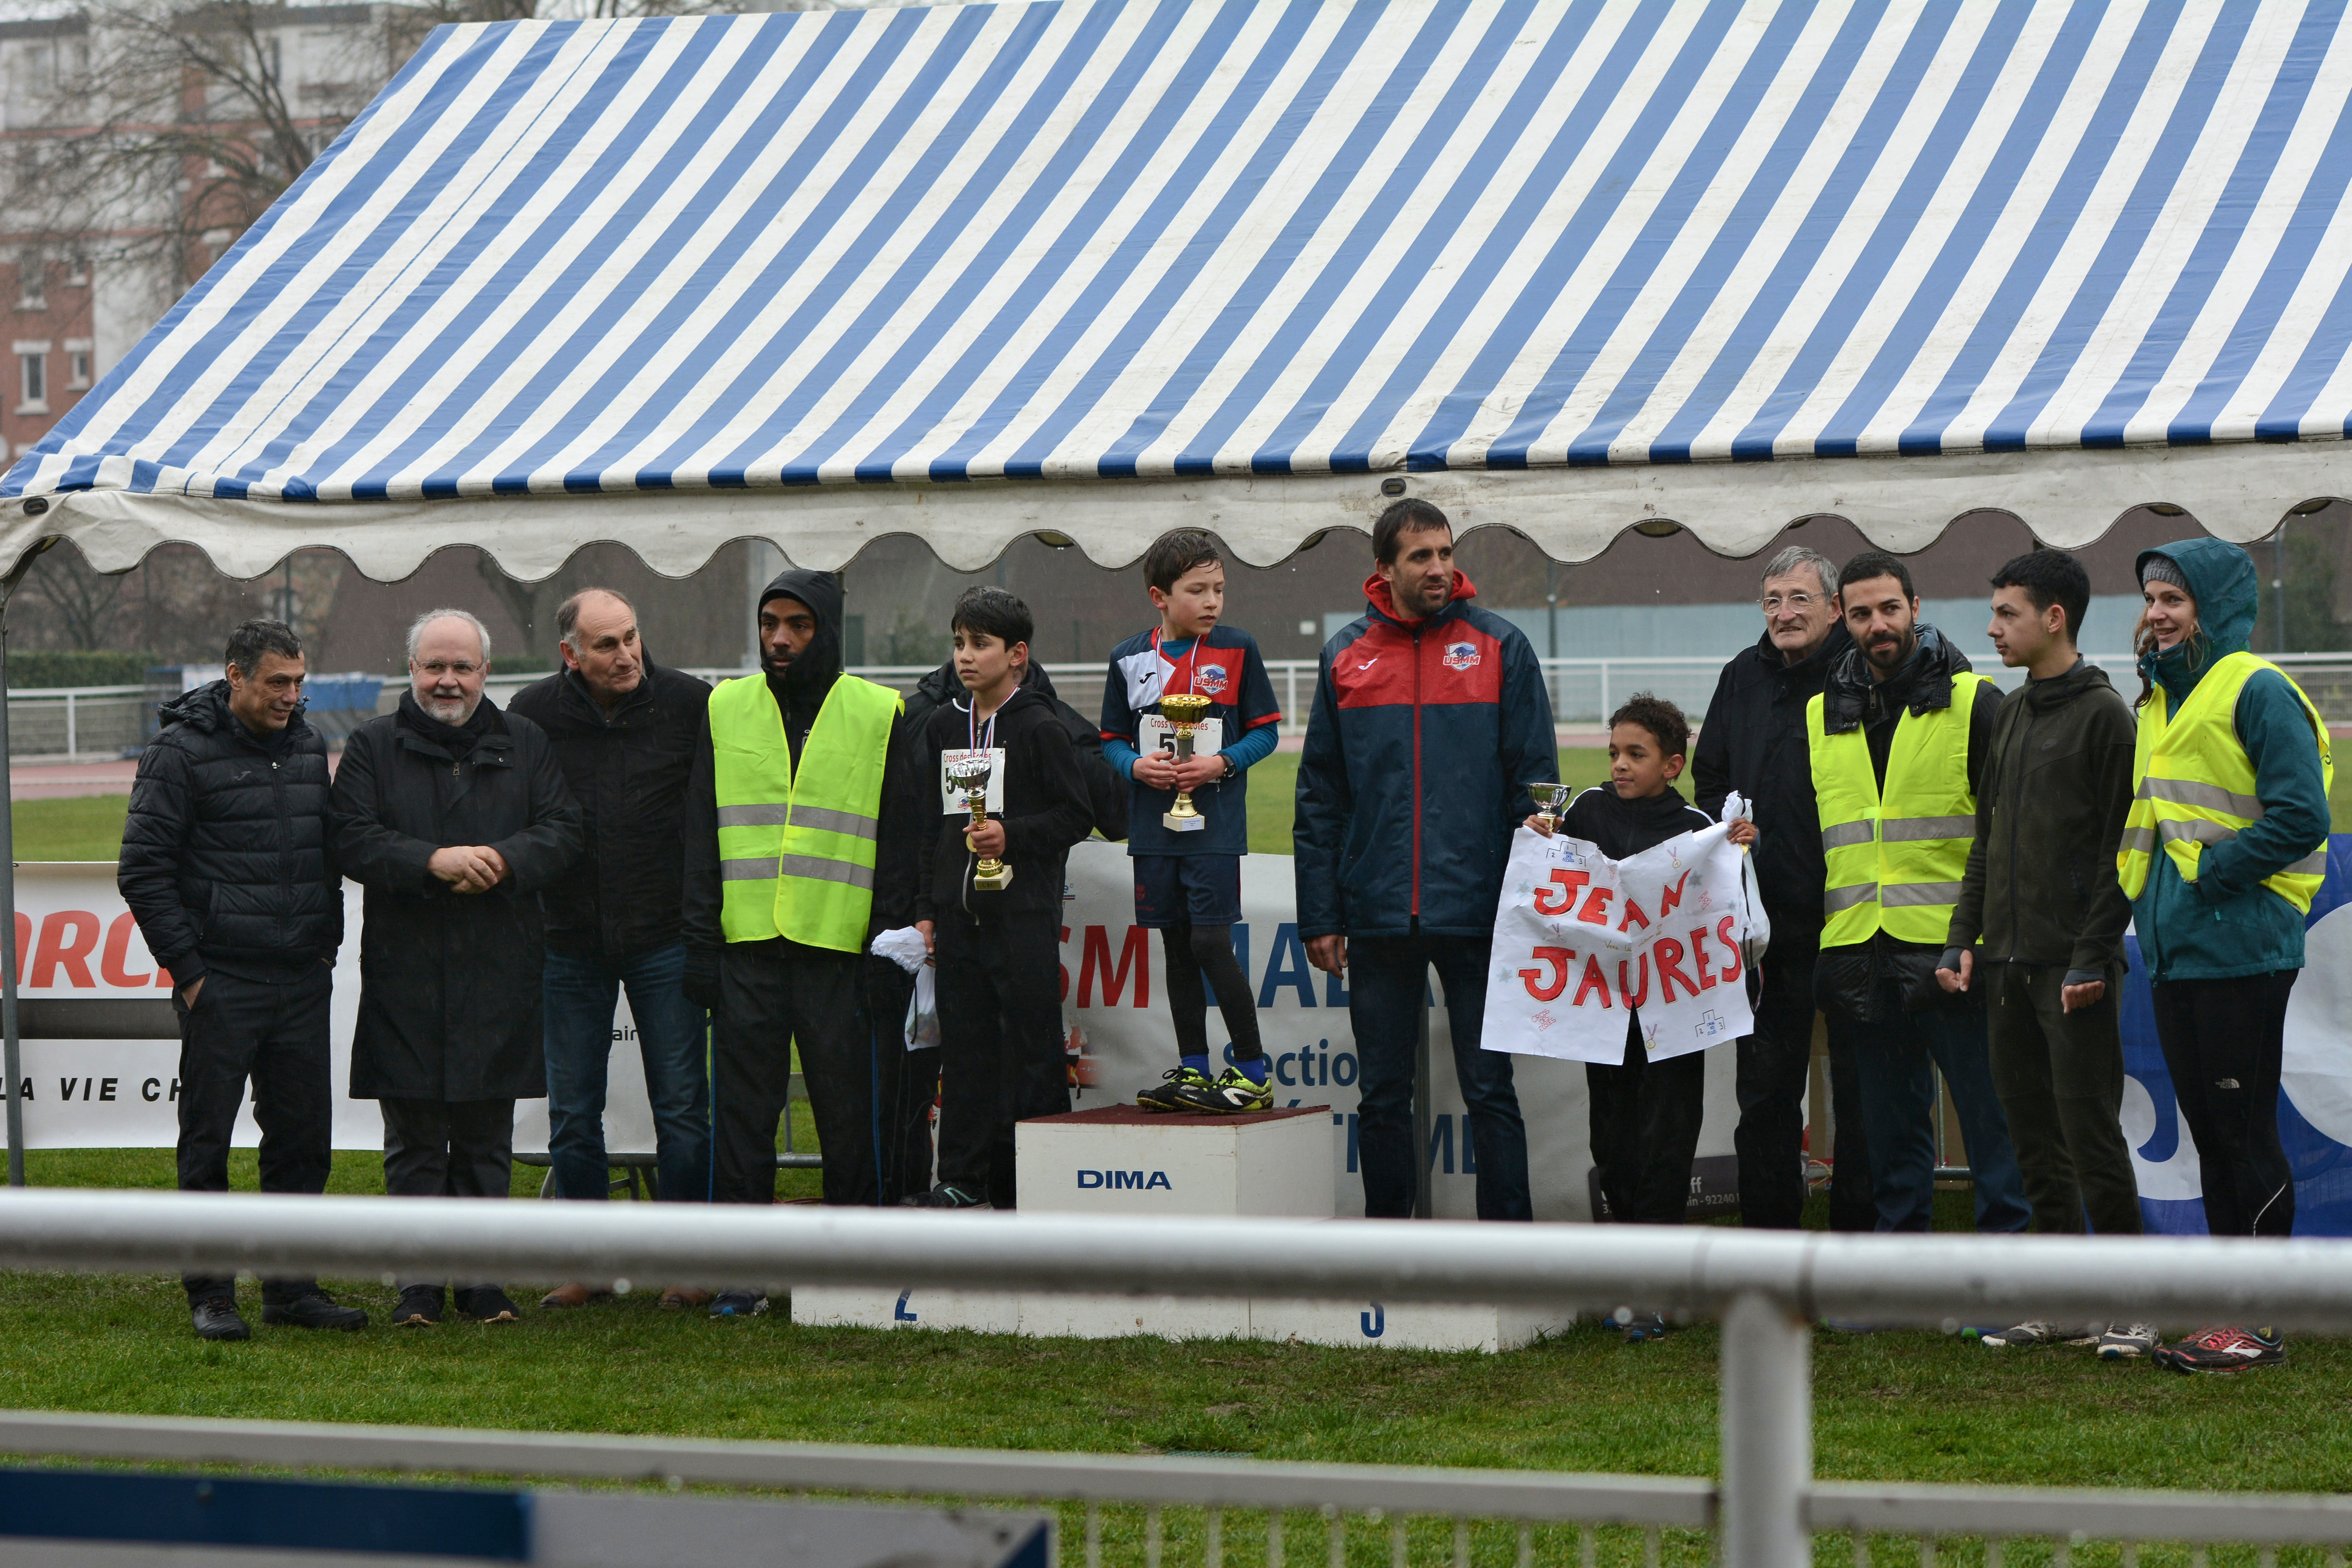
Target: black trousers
x=2060, y=1076
x=1000, y=1056
x=908, y=1084
x=447, y=1149
x=275, y=1035
x=1775, y=1070
x=775, y=996
x=2223, y=1040
x=1645, y=1117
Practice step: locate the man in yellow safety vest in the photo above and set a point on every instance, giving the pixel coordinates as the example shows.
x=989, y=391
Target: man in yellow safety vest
x=1897, y=741
x=794, y=859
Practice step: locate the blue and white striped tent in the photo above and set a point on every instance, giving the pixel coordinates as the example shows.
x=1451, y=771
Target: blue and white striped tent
x=1098, y=266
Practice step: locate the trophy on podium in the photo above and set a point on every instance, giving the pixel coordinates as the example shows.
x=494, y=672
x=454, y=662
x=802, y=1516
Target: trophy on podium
x=1551, y=800
x=971, y=775
x=1183, y=709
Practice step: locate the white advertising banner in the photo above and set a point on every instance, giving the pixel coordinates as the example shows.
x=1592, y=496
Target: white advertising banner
x=80, y=943
x=1581, y=941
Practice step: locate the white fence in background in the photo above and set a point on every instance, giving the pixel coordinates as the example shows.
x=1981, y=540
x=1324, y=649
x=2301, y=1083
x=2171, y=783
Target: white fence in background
x=91, y=723
x=1767, y=1288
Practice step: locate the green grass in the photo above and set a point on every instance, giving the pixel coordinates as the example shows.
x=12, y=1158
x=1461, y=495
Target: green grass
x=88, y=827
x=1274, y=783
x=1914, y=1406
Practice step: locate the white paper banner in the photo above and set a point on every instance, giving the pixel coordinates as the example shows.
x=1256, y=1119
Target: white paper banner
x=1581, y=940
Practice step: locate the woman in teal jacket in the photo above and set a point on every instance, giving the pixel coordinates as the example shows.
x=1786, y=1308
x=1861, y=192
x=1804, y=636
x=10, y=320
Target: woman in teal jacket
x=2223, y=950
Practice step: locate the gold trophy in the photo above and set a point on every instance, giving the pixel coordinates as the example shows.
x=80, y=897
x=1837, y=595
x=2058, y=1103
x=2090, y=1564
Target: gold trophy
x=1183, y=709
x=1551, y=800
x=971, y=775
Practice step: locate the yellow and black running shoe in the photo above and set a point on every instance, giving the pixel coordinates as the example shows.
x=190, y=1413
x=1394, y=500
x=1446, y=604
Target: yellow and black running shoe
x=1165, y=1094
x=1234, y=1092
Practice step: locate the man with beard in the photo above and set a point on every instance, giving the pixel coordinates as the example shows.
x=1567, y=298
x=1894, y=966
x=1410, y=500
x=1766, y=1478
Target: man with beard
x=1754, y=743
x=1898, y=740
x=455, y=817
x=793, y=862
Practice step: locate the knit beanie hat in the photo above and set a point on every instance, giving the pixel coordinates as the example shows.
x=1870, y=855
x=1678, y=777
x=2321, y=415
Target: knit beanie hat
x=2160, y=569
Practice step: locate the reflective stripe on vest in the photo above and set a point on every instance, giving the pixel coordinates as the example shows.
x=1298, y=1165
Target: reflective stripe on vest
x=2193, y=784
x=1894, y=864
x=796, y=849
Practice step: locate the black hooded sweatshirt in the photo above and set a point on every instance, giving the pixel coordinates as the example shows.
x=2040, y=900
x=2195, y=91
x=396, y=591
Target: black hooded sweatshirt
x=1849, y=979
x=799, y=694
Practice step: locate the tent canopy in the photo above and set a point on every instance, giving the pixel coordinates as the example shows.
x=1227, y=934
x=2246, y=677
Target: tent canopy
x=1102, y=266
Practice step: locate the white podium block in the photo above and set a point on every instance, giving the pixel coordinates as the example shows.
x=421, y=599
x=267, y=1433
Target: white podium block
x=1123, y=1160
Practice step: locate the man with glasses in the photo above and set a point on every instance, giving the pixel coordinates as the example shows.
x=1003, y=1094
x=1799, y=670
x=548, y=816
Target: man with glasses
x=1754, y=743
x=455, y=817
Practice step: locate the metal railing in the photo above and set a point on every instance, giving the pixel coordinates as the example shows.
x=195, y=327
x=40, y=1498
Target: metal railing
x=1767, y=1288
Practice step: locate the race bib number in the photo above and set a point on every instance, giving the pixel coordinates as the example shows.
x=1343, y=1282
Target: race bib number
x=952, y=796
x=1155, y=733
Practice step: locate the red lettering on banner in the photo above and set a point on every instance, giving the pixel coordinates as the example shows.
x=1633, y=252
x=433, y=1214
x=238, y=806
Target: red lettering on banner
x=1136, y=952
x=112, y=966
x=1633, y=916
x=1670, y=969
x=1064, y=969
x=1723, y=935
x=1572, y=881
x=1596, y=906
x=68, y=938
x=1625, y=992
x=1560, y=958
x=24, y=942
x=1591, y=983
x=1699, y=960
x=1669, y=897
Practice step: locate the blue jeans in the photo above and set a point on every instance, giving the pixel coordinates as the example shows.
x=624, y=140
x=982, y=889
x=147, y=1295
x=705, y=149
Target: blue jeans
x=580, y=990
x=1898, y=1100
x=1388, y=979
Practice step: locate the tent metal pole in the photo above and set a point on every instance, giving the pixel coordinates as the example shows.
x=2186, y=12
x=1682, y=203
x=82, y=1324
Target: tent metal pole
x=11, y=1047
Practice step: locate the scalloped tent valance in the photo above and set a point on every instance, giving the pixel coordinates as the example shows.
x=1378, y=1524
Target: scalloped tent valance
x=1100, y=267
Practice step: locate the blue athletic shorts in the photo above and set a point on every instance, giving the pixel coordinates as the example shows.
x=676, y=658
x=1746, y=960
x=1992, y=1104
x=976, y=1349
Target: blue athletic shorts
x=1187, y=890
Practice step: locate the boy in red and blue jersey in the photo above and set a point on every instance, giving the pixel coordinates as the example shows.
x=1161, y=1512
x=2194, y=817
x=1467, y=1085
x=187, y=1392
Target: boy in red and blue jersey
x=1188, y=885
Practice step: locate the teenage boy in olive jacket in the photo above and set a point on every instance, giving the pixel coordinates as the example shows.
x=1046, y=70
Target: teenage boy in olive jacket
x=2041, y=896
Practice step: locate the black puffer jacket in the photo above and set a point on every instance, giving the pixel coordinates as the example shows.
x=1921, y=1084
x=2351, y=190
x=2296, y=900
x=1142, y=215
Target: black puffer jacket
x=1107, y=792
x=1877, y=979
x=450, y=999
x=227, y=856
x=628, y=770
x=1754, y=741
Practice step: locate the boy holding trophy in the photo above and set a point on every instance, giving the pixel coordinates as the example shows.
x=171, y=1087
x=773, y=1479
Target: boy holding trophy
x=988, y=901
x=1187, y=708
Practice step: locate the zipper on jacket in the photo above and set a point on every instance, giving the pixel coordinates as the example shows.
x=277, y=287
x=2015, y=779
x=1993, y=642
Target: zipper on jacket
x=2016, y=795
x=1416, y=772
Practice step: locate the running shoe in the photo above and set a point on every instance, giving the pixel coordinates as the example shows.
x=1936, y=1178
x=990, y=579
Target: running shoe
x=2225, y=1348
x=1167, y=1095
x=2127, y=1341
x=1234, y=1092
x=419, y=1307
x=488, y=1304
x=313, y=1310
x=738, y=1304
x=944, y=1196
x=216, y=1318
x=2023, y=1336
x=1644, y=1326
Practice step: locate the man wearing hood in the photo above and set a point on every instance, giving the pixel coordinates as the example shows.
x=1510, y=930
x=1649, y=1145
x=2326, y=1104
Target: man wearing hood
x=791, y=821
x=1754, y=743
x=1898, y=742
x=229, y=866
x=1429, y=721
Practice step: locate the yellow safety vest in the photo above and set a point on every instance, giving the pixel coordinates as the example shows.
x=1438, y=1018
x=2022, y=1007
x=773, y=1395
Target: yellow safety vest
x=2193, y=784
x=1895, y=864
x=796, y=851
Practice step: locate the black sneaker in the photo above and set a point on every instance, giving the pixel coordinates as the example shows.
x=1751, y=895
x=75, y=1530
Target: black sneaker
x=944, y=1197
x=419, y=1308
x=1167, y=1094
x=215, y=1319
x=1233, y=1093
x=488, y=1304
x=313, y=1310
x=738, y=1304
x=1643, y=1326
